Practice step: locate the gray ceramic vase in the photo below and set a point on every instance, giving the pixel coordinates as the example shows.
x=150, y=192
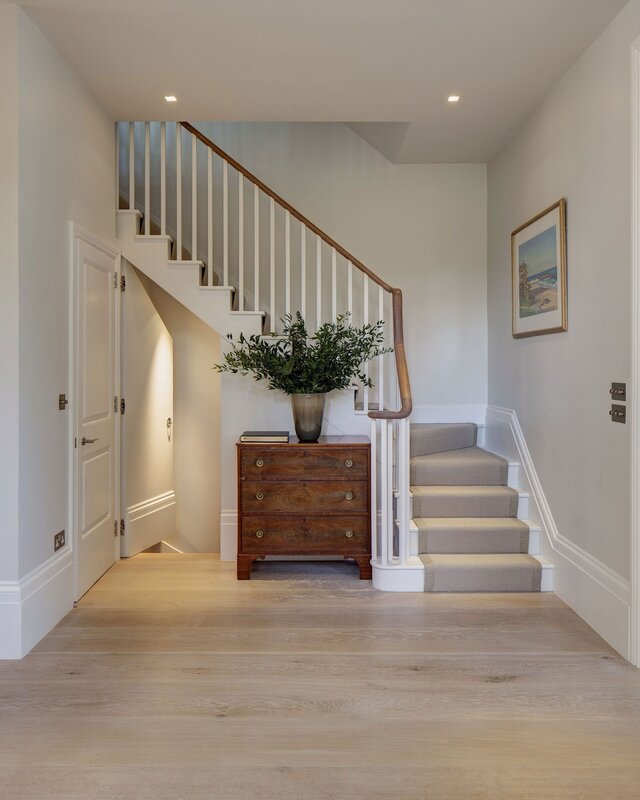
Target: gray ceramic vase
x=308, y=410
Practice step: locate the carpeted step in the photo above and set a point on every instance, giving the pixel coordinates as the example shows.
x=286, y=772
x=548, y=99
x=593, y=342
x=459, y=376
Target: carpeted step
x=469, y=466
x=464, y=501
x=431, y=438
x=481, y=573
x=472, y=535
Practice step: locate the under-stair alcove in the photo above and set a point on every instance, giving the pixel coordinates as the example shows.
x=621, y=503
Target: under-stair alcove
x=171, y=433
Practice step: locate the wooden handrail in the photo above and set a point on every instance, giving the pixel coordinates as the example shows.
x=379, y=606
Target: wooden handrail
x=396, y=294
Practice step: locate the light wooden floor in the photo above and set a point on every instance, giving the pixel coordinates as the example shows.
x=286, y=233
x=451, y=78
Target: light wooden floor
x=172, y=681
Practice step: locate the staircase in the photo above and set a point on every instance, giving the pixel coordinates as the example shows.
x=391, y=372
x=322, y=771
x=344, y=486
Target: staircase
x=240, y=257
x=471, y=536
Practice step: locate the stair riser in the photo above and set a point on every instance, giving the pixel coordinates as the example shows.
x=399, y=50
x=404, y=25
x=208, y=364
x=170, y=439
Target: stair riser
x=422, y=475
x=465, y=542
x=427, y=441
x=489, y=583
x=465, y=506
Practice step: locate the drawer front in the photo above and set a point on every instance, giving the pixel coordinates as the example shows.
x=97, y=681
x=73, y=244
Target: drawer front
x=335, y=463
x=298, y=535
x=304, y=462
x=338, y=534
x=308, y=496
x=262, y=463
x=262, y=534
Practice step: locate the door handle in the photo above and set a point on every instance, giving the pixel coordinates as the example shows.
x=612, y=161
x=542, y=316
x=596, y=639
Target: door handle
x=84, y=440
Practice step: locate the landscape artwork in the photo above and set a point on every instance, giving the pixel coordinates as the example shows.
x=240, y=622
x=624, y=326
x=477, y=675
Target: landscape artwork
x=539, y=274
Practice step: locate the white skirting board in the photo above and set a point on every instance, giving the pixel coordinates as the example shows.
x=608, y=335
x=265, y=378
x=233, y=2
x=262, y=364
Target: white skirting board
x=597, y=593
x=32, y=606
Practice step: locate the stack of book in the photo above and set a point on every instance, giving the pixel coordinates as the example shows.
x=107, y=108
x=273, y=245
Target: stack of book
x=265, y=436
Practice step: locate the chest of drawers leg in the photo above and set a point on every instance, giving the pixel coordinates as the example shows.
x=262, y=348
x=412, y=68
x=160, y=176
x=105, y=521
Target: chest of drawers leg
x=305, y=500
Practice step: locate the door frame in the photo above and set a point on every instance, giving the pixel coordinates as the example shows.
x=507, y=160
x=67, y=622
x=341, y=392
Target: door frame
x=76, y=234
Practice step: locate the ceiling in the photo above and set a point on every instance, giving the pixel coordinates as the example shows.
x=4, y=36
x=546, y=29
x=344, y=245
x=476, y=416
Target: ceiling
x=386, y=67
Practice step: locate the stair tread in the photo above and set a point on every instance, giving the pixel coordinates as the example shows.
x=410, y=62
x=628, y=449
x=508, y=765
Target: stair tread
x=463, y=491
x=465, y=501
x=471, y=523
x=464, y=466
x=480, y=560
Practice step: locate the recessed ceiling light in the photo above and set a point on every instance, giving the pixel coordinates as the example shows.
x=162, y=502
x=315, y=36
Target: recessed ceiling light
x=453, y=98
x=170, y=98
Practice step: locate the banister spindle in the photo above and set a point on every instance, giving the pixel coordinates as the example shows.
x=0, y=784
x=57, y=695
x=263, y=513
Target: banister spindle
x=350, y=291
x=365, y=317
x=334, y=289
x=147, y=178
x=118, y=157
x=256, y=248
x=287, y=262
x=303, y=269
x=194, y=198
x=225, y=223
x=132, y=167
x=210, y=274
x=272, y=264
x=318, y=281
x=240, y=242
x=380, y=358
x=179, y=192
x=163, y=178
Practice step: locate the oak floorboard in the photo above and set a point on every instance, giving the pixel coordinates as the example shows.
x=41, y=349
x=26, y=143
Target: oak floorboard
x=173, y=681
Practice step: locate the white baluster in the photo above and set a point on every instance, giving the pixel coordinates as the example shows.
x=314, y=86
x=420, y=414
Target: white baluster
x=256, y=248
x=365, y=316
x=240, y=242
x=334, y=290
x=272, y=264
x=374, y=490
x=403, y=491
x=210, y=216
x=388, y=492
x=117, y=165
x=147, y=178
x=385, y=498
x=178, y=191
x=318, y=282
x=194, y=198
x=225, y=223
x=380, y=358
x=132, y=167
x=287, y=262
x=350, y=291
x=303, y=270
x=163, y=178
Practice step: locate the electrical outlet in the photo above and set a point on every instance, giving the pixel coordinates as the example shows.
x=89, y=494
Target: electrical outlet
x=58, y=541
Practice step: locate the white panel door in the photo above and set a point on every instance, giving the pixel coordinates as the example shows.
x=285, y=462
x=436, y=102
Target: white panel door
x=95, y=418
x=148, y=496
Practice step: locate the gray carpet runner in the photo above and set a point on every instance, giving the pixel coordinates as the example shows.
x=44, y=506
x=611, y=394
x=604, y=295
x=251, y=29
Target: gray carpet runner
x=470, y=539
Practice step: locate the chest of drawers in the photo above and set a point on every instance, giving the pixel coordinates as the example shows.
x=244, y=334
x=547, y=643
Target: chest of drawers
x=305, y=499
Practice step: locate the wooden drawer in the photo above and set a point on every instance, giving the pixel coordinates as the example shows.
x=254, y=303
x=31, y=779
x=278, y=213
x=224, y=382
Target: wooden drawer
x=335, y=463
x=338, y=534
x=304, y=497
x=305, y=535
x=272, y=534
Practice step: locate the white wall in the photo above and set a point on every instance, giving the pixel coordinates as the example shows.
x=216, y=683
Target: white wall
x=196, y=429
x=575, y=145
x=420, y=227
x=57, y=165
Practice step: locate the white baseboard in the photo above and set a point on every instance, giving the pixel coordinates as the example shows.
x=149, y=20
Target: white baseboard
x=449, y=412
x=151, y=520
x=406, y=578
x=228, y=534
x=32, y=606
x=596, y=592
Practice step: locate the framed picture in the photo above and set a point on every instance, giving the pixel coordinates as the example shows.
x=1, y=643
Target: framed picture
x=539, y=273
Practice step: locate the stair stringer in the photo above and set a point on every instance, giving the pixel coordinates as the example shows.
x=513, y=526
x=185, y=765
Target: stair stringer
x=181, y=279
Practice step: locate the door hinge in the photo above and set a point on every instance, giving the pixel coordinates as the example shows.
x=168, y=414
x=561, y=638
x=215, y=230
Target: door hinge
x=115, y=527
x=115, y=405
x=123, y=406
x=123, y=283
x=115, y=280
x=121, y=527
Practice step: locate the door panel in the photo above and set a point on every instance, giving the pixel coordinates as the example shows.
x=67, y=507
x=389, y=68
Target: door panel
x=96, y=422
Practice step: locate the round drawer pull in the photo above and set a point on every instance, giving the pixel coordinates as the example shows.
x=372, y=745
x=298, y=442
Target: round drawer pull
x=348, y=463
x=259, y=462
x=260, y=534
x=348, y=496
x=349, y=534
x=259, y=496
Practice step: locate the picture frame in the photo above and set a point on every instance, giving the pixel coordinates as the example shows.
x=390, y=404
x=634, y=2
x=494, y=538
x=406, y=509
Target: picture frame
x=539, y=274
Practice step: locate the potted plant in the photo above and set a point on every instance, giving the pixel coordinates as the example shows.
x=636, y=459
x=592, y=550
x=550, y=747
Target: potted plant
x=307, y=367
